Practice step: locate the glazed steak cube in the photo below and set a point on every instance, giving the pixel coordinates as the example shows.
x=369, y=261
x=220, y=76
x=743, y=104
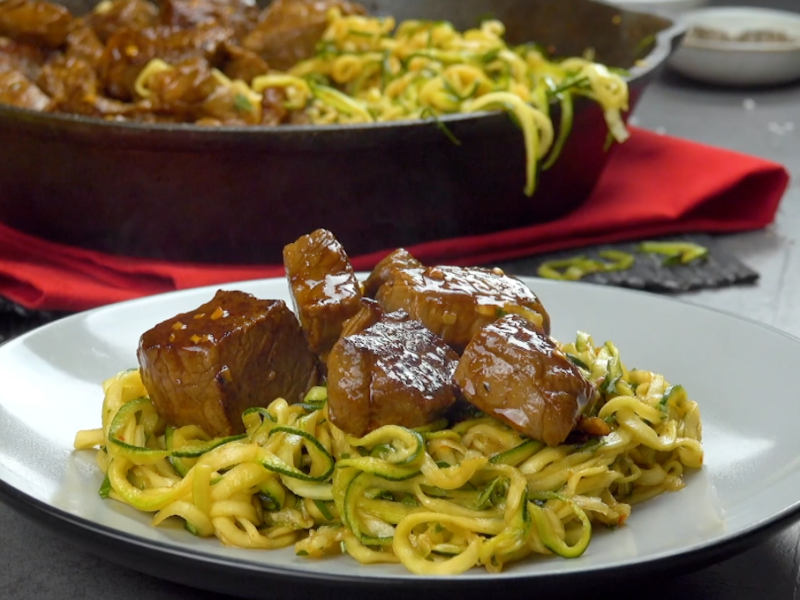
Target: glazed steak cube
x=122, y=14
x=513, y=372
x=399, y=260
x=288, y=30
x=207, y=366
x=18, y=90
x=24, y=58
x=370, y=313
x=456, y=302
x=324, y=287
x=240, y=15
x=35, y=22
x=394, y=373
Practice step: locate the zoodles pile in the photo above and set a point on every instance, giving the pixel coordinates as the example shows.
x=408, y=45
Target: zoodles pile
x=440, y=499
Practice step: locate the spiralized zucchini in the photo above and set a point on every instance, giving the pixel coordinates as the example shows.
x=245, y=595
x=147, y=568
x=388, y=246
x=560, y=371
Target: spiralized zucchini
x=438, y=500
x=366, y=70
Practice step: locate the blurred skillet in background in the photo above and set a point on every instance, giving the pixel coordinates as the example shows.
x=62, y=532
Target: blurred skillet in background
x=238, y=194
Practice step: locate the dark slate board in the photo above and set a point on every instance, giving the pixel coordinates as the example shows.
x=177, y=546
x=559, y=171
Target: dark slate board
x=16, y=320
x=649, y=273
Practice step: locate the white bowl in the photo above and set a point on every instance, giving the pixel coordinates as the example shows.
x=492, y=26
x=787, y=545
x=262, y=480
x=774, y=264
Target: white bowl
x=740, y=63
x=665, y=6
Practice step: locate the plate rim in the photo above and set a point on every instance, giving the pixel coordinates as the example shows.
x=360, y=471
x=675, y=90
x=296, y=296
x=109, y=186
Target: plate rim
x=161, y=556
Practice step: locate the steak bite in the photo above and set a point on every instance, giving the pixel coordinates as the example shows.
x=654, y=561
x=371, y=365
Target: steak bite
x=513, y=371
x=235, y=352
x=394, y=373
x=239, y=15
x=456, y=302
x=242, y=64
x=385, y=270
x=112, y=16
x=82, y=43
x=128, y=52
x=25, y=58
x=67, y=80
x=370, y=313
x=35, y=22
x=18, y=90
x=324, y=287
x=288, y=30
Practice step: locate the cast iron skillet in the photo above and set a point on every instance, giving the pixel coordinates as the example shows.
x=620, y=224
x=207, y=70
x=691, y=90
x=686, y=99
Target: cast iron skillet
x=238, y=194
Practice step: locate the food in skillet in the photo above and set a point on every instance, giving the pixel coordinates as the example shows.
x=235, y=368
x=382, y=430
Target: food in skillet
x=382, y=461
x=224, y=62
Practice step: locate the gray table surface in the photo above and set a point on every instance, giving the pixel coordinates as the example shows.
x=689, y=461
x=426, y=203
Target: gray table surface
x=35, y=564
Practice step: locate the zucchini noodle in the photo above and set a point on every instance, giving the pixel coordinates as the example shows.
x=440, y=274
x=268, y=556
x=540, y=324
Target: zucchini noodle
x=439, y=500
x=366, y=69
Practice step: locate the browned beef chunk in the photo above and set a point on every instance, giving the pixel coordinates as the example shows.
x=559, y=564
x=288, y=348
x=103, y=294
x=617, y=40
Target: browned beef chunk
x=394, y=373
x=17, y=90
x=190, y=91
x=207, y=366
x=111, y=16
x=73, y=84
x=83, y=43
x=34, y=22
x=324, y=287
x=232, y=106
x=513, y=371
x=273, y=112
x=128, y=52
x=370, y=313
x=242, y=64
x=456, y=302
x=181, y=91
x=398, y=260
x=92, y=105
x=65, y=77
x=239, y=15
x=288, y=30
x=25, y=58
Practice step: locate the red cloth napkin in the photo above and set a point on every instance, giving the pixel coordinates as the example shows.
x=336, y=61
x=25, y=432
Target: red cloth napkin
x=653, y=185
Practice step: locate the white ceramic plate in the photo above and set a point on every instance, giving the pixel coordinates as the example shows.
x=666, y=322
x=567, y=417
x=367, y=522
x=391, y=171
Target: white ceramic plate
x=738, y=63
x=744, y=376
